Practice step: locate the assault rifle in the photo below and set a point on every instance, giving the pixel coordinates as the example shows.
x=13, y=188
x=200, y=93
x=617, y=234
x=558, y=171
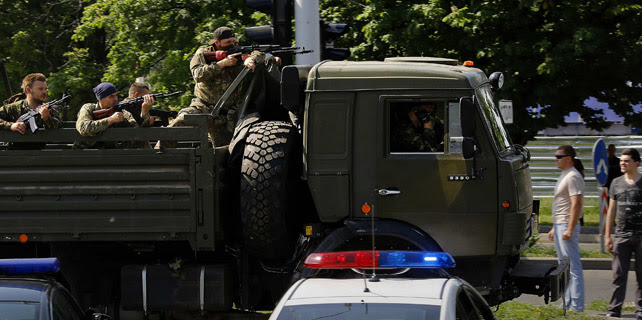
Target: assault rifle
x=218, y=55
x=30, y=117
x=134, y=105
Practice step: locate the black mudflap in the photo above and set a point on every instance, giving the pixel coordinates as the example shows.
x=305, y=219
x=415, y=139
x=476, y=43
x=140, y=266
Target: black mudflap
x=542, y=279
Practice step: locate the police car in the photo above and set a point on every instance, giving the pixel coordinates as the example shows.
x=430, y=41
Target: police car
x=382, y=297
x=28, y=293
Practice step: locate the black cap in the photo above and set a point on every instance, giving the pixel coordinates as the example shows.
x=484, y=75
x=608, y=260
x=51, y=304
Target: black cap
x=223, y=33
x=104, y=90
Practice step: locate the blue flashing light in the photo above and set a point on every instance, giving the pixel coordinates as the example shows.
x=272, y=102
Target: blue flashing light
x=368, y=259
x=415, y=259
x=29, y=266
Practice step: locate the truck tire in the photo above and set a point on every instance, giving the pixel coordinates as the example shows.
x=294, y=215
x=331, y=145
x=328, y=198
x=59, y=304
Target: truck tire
x=270, y=173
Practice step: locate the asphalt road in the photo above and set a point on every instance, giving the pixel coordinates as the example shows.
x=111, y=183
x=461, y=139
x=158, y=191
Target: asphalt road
x=597, y=286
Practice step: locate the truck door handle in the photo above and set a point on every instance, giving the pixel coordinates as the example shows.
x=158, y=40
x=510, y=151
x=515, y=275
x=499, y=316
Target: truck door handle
x=386, y=192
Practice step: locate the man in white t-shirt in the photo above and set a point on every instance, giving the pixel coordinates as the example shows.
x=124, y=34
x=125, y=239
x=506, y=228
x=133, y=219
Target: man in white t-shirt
x=567, y=211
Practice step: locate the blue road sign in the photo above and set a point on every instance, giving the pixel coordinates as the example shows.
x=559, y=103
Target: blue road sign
x=600, y=161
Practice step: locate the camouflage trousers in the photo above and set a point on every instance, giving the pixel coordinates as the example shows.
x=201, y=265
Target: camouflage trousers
x=220, y=132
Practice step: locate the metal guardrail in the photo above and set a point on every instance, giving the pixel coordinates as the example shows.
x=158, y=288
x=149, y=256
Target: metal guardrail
x=544, y=172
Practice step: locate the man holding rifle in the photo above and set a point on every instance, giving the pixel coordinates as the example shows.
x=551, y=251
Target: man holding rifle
x=212, y=80
x=138, y=89
x=34, y=86
x=107, y=99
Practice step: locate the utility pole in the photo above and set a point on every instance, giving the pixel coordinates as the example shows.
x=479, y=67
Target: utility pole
x=308, y=30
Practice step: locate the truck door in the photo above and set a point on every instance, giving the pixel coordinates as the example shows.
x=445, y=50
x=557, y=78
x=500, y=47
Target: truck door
x=422, y=178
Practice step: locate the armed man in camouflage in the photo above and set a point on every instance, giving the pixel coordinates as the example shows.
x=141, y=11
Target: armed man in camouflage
x=34, y=86
x=418, y=130
x=108, y=98
x=138, y=89
x=212, y=80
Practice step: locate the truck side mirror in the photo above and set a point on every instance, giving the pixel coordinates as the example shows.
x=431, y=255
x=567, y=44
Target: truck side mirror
x=293, y=82
x=468, y=126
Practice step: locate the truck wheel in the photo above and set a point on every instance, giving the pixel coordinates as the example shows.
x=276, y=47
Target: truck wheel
x=270, y=173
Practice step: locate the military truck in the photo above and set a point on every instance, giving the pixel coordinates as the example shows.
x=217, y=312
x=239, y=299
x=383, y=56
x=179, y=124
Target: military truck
x=315, y=165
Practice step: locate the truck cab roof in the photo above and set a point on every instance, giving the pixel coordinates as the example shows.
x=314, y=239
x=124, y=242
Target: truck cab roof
x=392, y=74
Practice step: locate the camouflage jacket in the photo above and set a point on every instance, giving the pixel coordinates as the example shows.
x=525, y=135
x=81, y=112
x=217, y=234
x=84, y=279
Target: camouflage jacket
x=87, y=126
x=10, y=113
x=408, y=138
x=211, y=80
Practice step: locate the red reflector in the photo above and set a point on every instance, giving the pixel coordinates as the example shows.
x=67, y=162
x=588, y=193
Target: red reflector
x=505, y=204
x=339, y=260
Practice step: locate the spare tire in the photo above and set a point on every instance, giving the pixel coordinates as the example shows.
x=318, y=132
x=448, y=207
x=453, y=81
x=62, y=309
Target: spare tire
x=270, y=172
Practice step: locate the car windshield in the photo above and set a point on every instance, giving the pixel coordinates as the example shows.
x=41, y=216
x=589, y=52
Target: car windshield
x=359, y=311
x=18, y=310
x=493, y=117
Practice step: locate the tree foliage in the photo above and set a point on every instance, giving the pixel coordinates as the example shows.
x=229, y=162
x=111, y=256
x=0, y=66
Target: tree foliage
x=120, y=40
x=554, y=53
x=34, y=36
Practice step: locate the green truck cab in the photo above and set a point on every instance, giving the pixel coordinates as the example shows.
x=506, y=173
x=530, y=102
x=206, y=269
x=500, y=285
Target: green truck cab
x=472, y=196
x=314, y=166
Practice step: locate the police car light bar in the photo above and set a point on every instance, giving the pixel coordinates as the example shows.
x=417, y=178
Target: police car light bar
x=379, y=259
x=26, y=266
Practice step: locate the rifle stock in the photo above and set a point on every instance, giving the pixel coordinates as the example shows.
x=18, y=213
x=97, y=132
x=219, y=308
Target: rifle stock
x=102, y=113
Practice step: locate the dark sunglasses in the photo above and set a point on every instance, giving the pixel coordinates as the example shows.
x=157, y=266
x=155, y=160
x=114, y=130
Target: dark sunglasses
x=560, y=156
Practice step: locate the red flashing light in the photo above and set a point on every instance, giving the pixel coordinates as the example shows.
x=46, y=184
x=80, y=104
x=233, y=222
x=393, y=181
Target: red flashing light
x=340, y=260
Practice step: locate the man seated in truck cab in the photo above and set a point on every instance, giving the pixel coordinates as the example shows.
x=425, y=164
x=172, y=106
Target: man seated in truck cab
x=416, y=128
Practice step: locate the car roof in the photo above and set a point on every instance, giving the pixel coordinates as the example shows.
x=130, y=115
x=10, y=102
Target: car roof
x=23, y=289
x=391, y=290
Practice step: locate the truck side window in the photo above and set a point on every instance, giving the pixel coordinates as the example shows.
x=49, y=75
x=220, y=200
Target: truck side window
x=417, y=126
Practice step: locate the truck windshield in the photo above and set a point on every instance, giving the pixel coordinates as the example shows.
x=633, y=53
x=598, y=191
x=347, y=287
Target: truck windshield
x=492, y=117
x=370, y=311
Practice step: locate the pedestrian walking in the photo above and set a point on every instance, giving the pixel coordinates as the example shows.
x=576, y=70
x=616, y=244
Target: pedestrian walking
x=625, y=205
x=567, y=211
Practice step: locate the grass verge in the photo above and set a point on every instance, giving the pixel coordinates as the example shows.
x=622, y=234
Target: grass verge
x=520, y=311
x=603, y=305
x=547, y=251
x=591, y=211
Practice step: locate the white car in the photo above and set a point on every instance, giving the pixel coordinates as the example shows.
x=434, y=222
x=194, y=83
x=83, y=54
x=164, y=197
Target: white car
x=389, y=297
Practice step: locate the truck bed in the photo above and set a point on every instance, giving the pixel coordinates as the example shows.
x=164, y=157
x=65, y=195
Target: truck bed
x=65, y=194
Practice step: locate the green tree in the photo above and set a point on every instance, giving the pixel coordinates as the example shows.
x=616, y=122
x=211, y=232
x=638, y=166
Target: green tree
x=554, y=53
x=156, y=39
x=34, y=36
